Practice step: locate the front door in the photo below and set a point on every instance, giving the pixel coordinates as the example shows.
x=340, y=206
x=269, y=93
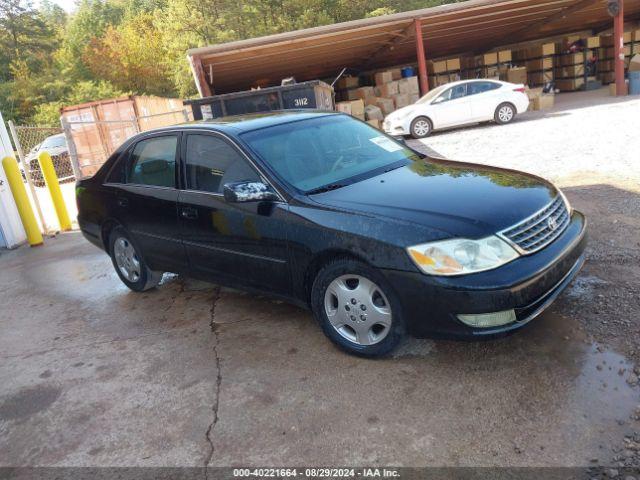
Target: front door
x=146, y=201
x=243, y=243
x=452, y=107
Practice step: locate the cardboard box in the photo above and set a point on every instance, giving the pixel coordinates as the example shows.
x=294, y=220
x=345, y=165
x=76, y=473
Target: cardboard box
x=609, y=40
x=539, y=64
x=386, y=105
x=634, y=63
x=453, y=64
x=370, y=100
x=375, y=123
x=636, y=35
x=348, y=95
x=354, y=108
x=396, y=73
x=437, y=67
x=569, y=84
x=401, y=100
x=570, y=71
x=371, y=112
x=364, y=92
x=572, y=59
x=408, y=85
x=517, y=75
x=504, y=56
x=381, y=78
x=387, y=90
x=592, y=42
x=348, y=82
x=540, y=78
x=613, y=91
x=610, y=52
x=489, y=59
x=413, y=98
x=543, y=102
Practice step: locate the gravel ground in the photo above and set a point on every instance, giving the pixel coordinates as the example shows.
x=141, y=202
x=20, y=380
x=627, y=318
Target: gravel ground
x=589, y=145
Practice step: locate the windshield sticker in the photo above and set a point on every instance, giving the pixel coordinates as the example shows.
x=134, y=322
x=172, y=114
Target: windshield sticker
x=386, y=143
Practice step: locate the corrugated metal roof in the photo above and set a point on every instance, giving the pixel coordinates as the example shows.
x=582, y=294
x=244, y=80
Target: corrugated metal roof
x=472, y=26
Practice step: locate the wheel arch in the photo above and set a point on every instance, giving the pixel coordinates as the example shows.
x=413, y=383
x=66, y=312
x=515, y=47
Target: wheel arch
x=323, y=258
x=105, y=231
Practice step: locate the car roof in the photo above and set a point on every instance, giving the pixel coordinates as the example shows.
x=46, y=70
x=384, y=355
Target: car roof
x=238, y=124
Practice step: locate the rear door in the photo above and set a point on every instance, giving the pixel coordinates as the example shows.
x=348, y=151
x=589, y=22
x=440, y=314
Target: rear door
x=452, y=107
x=483, y=99
x=144, y=186
x=242, y=243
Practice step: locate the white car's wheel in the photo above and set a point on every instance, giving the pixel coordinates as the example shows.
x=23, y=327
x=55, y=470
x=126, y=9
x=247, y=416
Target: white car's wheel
x=505, y=113
x=421, y=127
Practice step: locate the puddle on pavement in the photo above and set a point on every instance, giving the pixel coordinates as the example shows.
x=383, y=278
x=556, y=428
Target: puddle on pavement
x=553, y=366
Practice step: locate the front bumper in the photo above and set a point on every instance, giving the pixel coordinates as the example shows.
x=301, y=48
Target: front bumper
x=395, y=127
x=528, y=285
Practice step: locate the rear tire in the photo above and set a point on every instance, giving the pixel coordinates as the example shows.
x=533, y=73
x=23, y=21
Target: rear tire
x=356, y=308
x=129, y=264
x=505, y=113
x=421, y=127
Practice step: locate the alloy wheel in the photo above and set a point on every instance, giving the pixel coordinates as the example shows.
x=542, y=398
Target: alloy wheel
x=358, y=309
x=127, y=259
x=505, y=114
x=421, y=128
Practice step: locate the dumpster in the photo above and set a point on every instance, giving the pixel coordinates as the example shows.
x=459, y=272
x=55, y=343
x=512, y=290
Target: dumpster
x=313, y=95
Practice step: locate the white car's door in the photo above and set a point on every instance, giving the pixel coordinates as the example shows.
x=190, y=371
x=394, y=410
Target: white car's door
x=451, y=108
x=484, y=97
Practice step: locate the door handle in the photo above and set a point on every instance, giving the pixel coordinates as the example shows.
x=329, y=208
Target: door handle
x=189, y=213
x=123, y=202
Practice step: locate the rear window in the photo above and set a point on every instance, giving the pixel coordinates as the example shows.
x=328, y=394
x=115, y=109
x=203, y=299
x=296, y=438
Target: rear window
x=54, y=142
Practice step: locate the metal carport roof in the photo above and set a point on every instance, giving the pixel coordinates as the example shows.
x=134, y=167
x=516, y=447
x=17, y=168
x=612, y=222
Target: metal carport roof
x=471, y=26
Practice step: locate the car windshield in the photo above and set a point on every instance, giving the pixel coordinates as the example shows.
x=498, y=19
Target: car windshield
x=327, y=152
x=432, y=94
x=53, y=142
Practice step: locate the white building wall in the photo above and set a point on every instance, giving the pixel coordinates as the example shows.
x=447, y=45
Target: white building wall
x=11, y=231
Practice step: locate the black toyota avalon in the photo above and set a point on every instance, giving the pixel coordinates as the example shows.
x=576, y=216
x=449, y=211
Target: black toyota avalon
x=376, y=239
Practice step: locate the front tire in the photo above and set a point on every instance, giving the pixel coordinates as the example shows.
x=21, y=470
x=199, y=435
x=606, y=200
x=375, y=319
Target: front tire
x=129, y=264
x=505, y=113
x=421, y=127
x=356, y=308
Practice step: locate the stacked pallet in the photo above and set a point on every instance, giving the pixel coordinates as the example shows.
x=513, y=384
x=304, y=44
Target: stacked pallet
x=576, y=70
x=373, y=103
x=606, y=54
x=539, y=62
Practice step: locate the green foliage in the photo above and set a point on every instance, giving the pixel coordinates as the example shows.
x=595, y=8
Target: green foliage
x=49, y=58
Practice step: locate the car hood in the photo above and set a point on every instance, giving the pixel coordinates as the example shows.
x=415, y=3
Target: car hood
x=461, y=200
x=52, y=152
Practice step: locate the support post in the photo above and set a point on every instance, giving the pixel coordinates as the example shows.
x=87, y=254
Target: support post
x=422, y=62
x=618, y=38
x=29, y=222
x=199, y=76
x=51, y=179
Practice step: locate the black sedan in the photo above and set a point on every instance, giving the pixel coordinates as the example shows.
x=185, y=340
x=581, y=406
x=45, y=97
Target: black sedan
x=330, y=213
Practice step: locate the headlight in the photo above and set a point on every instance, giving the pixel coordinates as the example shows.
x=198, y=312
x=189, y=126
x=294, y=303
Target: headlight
x=461, y=256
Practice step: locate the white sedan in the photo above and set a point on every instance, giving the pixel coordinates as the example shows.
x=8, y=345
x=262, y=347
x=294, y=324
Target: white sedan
x=459, y=103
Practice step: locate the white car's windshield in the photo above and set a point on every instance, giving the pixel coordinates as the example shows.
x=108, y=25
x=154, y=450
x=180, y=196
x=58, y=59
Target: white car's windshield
x=327, y=151
x=53, y=142
x=432, y=94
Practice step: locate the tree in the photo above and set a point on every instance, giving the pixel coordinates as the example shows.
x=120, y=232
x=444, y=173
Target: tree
x=128, y=57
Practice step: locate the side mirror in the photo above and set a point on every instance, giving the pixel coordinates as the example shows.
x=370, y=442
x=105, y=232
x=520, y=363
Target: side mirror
x=248, y=191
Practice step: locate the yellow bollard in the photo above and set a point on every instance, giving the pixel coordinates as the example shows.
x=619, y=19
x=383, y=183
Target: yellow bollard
x=51, y=179
x=11, y=170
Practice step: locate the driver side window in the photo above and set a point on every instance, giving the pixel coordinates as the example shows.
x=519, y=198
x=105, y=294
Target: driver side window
x=453, y=93
x=211, y=163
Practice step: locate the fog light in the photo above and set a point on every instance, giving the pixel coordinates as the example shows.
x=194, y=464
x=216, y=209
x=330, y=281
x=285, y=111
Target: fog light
x=488, y=320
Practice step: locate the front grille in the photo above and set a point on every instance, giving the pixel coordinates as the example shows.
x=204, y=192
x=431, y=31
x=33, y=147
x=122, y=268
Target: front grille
x=542, y=228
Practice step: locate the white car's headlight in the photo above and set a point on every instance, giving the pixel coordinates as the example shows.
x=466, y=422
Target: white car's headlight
x=461, y=256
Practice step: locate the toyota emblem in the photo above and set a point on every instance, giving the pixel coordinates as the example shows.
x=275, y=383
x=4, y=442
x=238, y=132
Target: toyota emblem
x=552, y=224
